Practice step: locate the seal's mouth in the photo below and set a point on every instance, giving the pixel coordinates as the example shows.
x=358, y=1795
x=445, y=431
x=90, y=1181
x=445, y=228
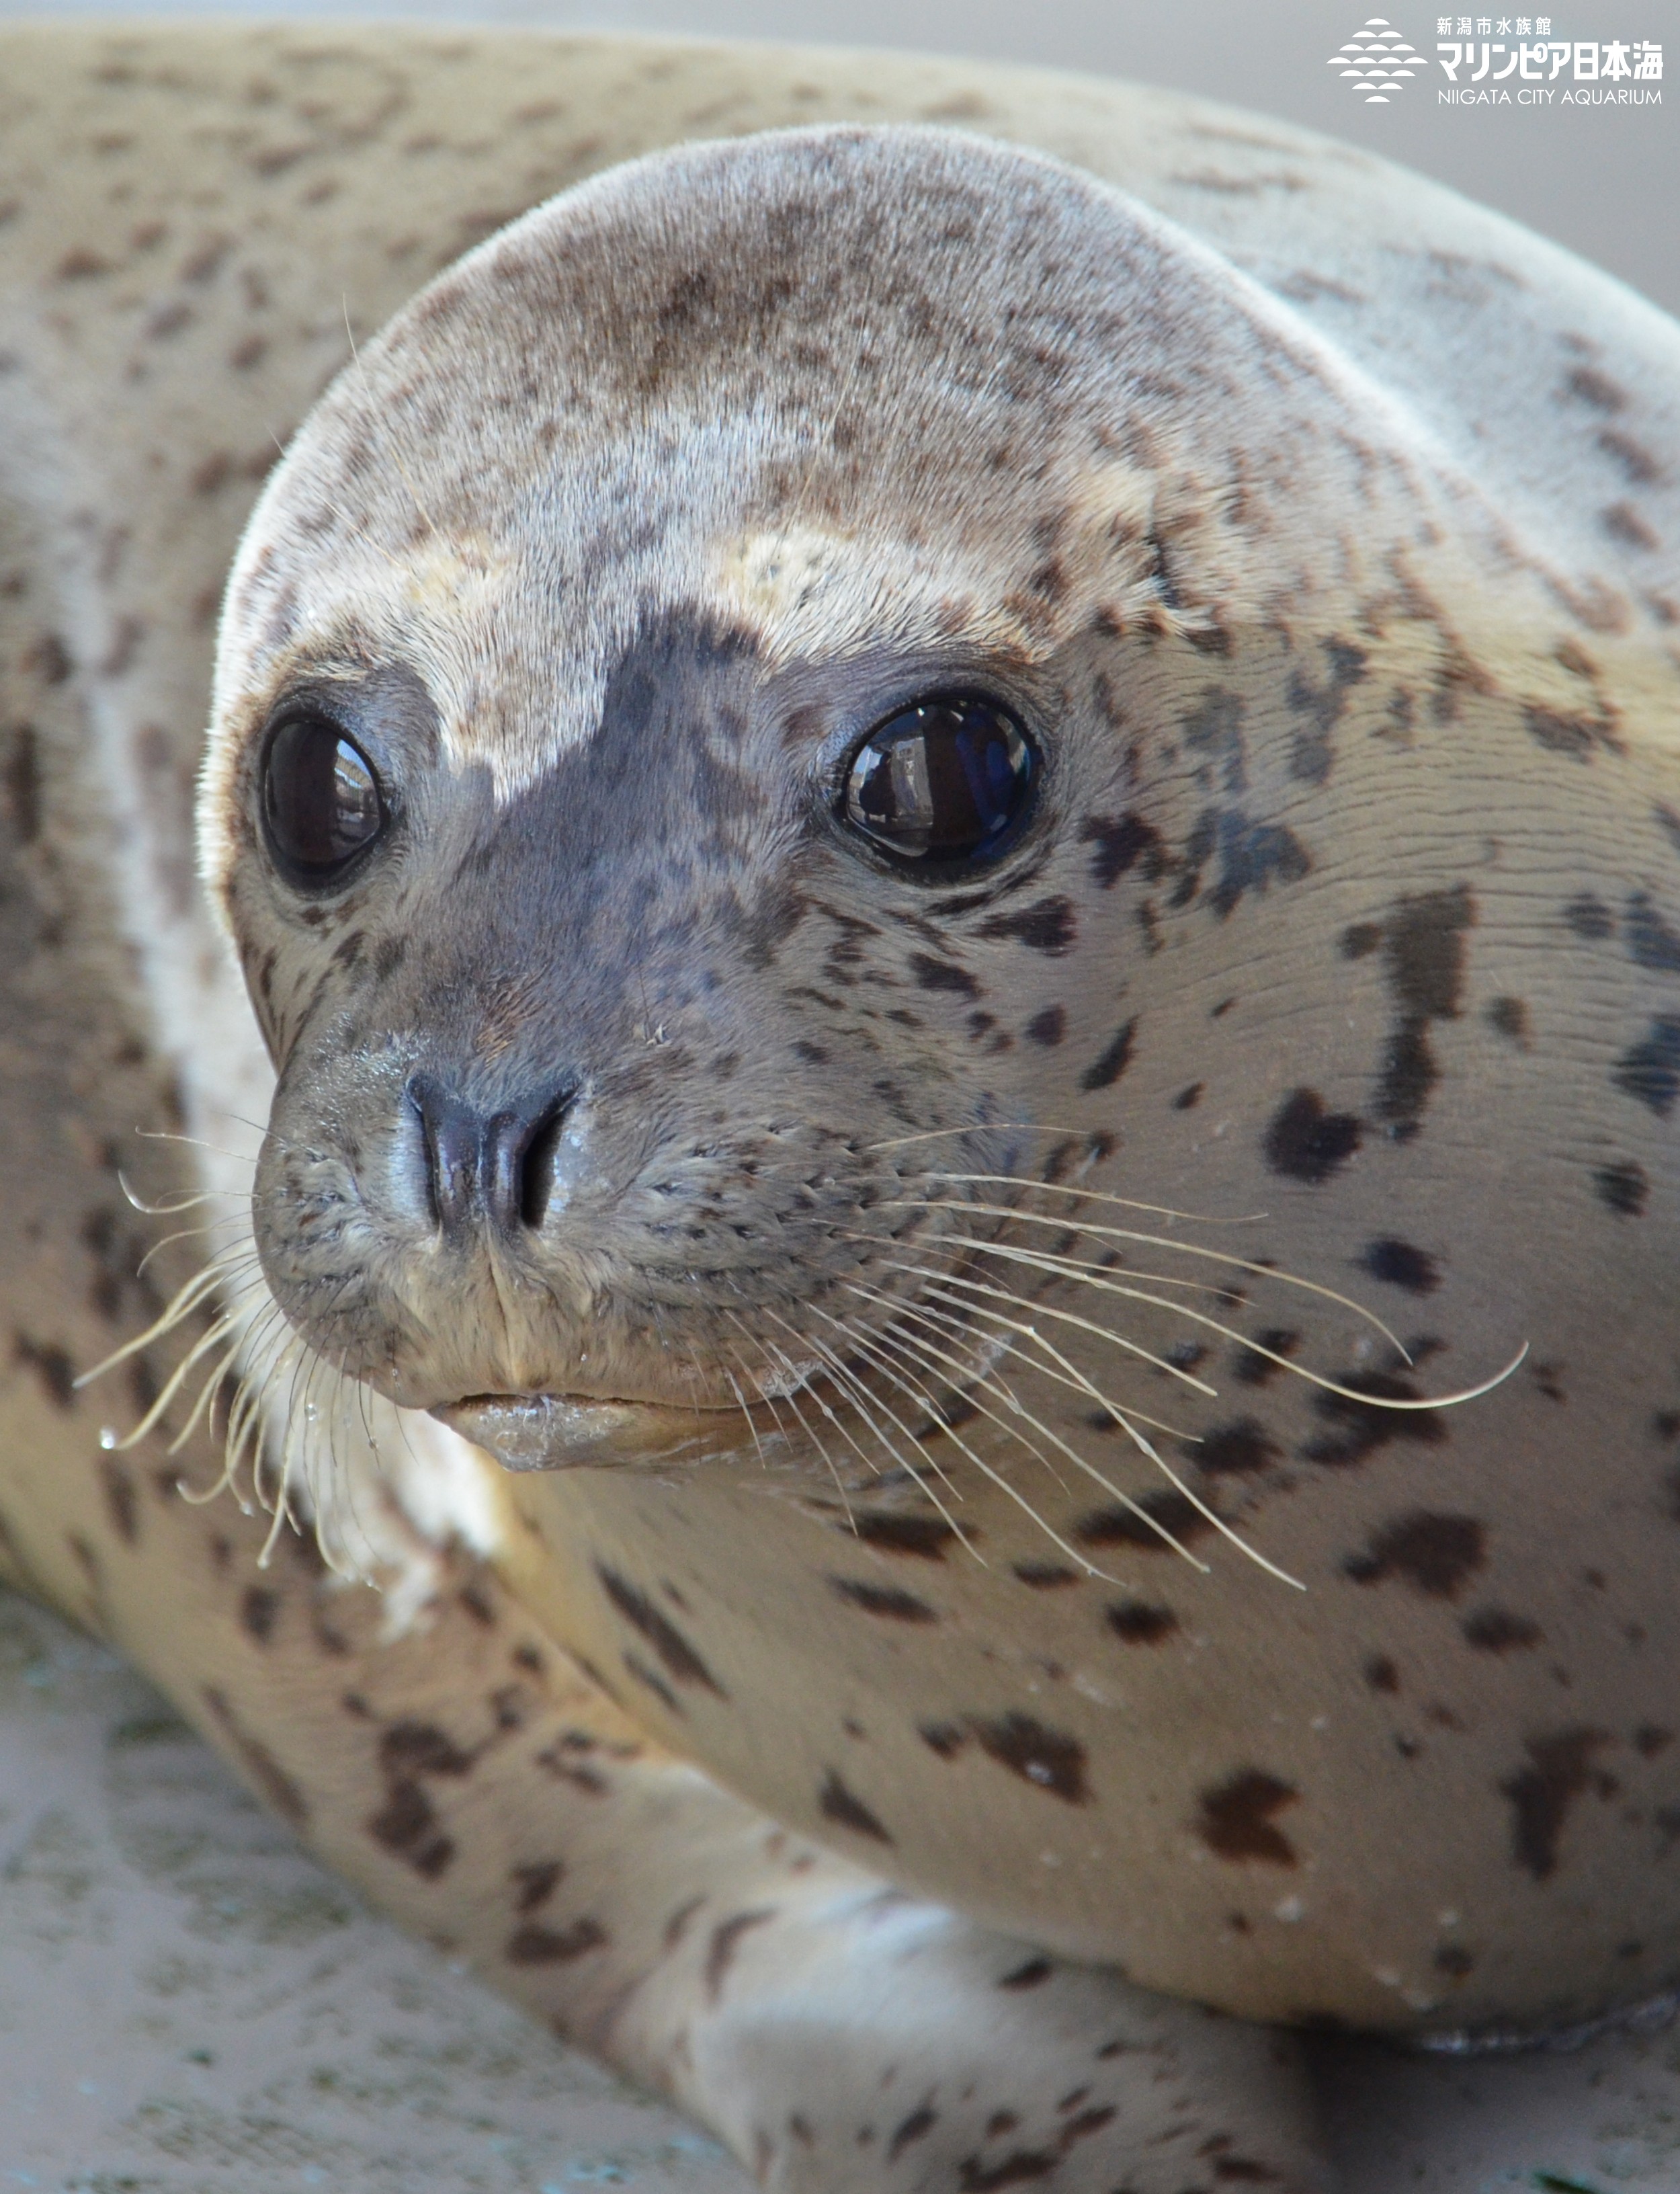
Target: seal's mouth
x=560, y=1431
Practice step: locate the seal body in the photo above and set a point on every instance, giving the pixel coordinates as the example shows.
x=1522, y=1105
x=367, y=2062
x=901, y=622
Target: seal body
x=925, y=1270
x=883, y=1179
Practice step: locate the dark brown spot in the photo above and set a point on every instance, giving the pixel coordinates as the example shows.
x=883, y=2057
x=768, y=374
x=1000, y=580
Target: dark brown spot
x=1046, y=1576
x=1236, y=1821
x=1019, y=2168
x=1254, y=1369
x=1150, y=1524
x=22, y=779
x=1496, y=1630
x=1046, y=926
x=535, y=1882
x=121, y=1498
x=650, y=1680
x=1121, y=846
x=1651, y=941
x=883, y=1599
x=1136, y=1623
x=1320, y=708
x=942, y=976
x=1235, y=1449
x=1306, y=1143
x=51, y=1365
x=1400, y=1265
x=946, y=1738
x=1577, y=738
x=1032, y=1974
x=48, y=659
x=270, y=1780
x=1649, y=1071
x=1454, y=1960
x=1047, y=1758
x=1435, y=1555
x=1048, y=1027
x=1088, y=2121
x=1636, y=462
x=1622, y=523
x=1650, y=1738
x=1509, y=1018
x=1360, y=1426
x=1589, y=918
x=838, y=1803
x=534, y=1944
x=923, y=1537
x=81, y=265
x=677, y=1658
x=420, y=1748
x=1559, y=1771
x=920, y=2122
x=1589, y=385
x=259, y=1609
x=1381, y=1675
x=1112, y=1062
x=1424, y=948
x=726, y=1939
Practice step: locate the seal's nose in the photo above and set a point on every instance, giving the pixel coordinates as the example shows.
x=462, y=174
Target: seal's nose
x=496, y=1168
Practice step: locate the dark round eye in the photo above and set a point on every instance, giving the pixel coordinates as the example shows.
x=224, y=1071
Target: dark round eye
x=320, y=797
x=946, y=781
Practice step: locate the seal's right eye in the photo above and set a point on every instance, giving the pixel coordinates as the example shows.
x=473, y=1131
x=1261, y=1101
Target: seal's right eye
x=946, y=782
x=321, y=800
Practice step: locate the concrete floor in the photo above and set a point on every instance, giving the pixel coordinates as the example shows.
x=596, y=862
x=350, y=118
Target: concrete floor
x=189, y=2005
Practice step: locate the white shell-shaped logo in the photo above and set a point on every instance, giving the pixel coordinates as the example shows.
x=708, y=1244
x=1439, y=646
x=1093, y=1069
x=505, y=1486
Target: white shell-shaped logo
x=1377, y=61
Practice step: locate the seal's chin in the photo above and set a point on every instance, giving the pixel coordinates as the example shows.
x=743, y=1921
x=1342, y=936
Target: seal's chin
x=561, y=1432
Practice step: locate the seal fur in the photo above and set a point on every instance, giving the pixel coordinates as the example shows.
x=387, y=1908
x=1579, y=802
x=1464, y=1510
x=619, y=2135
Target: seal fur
x=1608, y=391
x=722, y=459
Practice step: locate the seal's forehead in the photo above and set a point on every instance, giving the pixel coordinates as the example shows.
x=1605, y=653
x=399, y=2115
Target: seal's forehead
x=826, y=385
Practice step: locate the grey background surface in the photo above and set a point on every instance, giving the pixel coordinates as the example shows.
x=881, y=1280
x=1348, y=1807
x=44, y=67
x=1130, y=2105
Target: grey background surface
x=1604, y=182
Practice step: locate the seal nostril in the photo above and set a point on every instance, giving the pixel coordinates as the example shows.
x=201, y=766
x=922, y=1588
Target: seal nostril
x=451, y=1135
x=501, y=1168
x=537, y=1184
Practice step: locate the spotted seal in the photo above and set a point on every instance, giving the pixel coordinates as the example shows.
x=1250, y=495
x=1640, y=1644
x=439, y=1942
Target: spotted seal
x=967, y=895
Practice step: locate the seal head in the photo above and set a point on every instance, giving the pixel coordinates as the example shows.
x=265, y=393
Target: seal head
x=600, y=1008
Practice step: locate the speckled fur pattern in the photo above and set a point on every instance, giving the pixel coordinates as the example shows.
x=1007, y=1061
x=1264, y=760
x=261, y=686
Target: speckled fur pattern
x=1323, y=528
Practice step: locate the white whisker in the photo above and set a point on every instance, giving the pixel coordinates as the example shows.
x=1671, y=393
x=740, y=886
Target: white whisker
x=1084, y=1463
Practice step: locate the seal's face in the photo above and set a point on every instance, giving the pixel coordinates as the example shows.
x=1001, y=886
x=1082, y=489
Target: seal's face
x=578, y=1088
x=627, y=833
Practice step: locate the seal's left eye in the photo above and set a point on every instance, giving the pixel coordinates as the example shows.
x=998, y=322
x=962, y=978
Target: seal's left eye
x=320, y=797
x=947, y=781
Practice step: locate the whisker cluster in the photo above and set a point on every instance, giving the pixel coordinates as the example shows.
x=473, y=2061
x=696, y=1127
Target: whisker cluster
x=950, y=1317
x=291, y=1421
x=958, y=1297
